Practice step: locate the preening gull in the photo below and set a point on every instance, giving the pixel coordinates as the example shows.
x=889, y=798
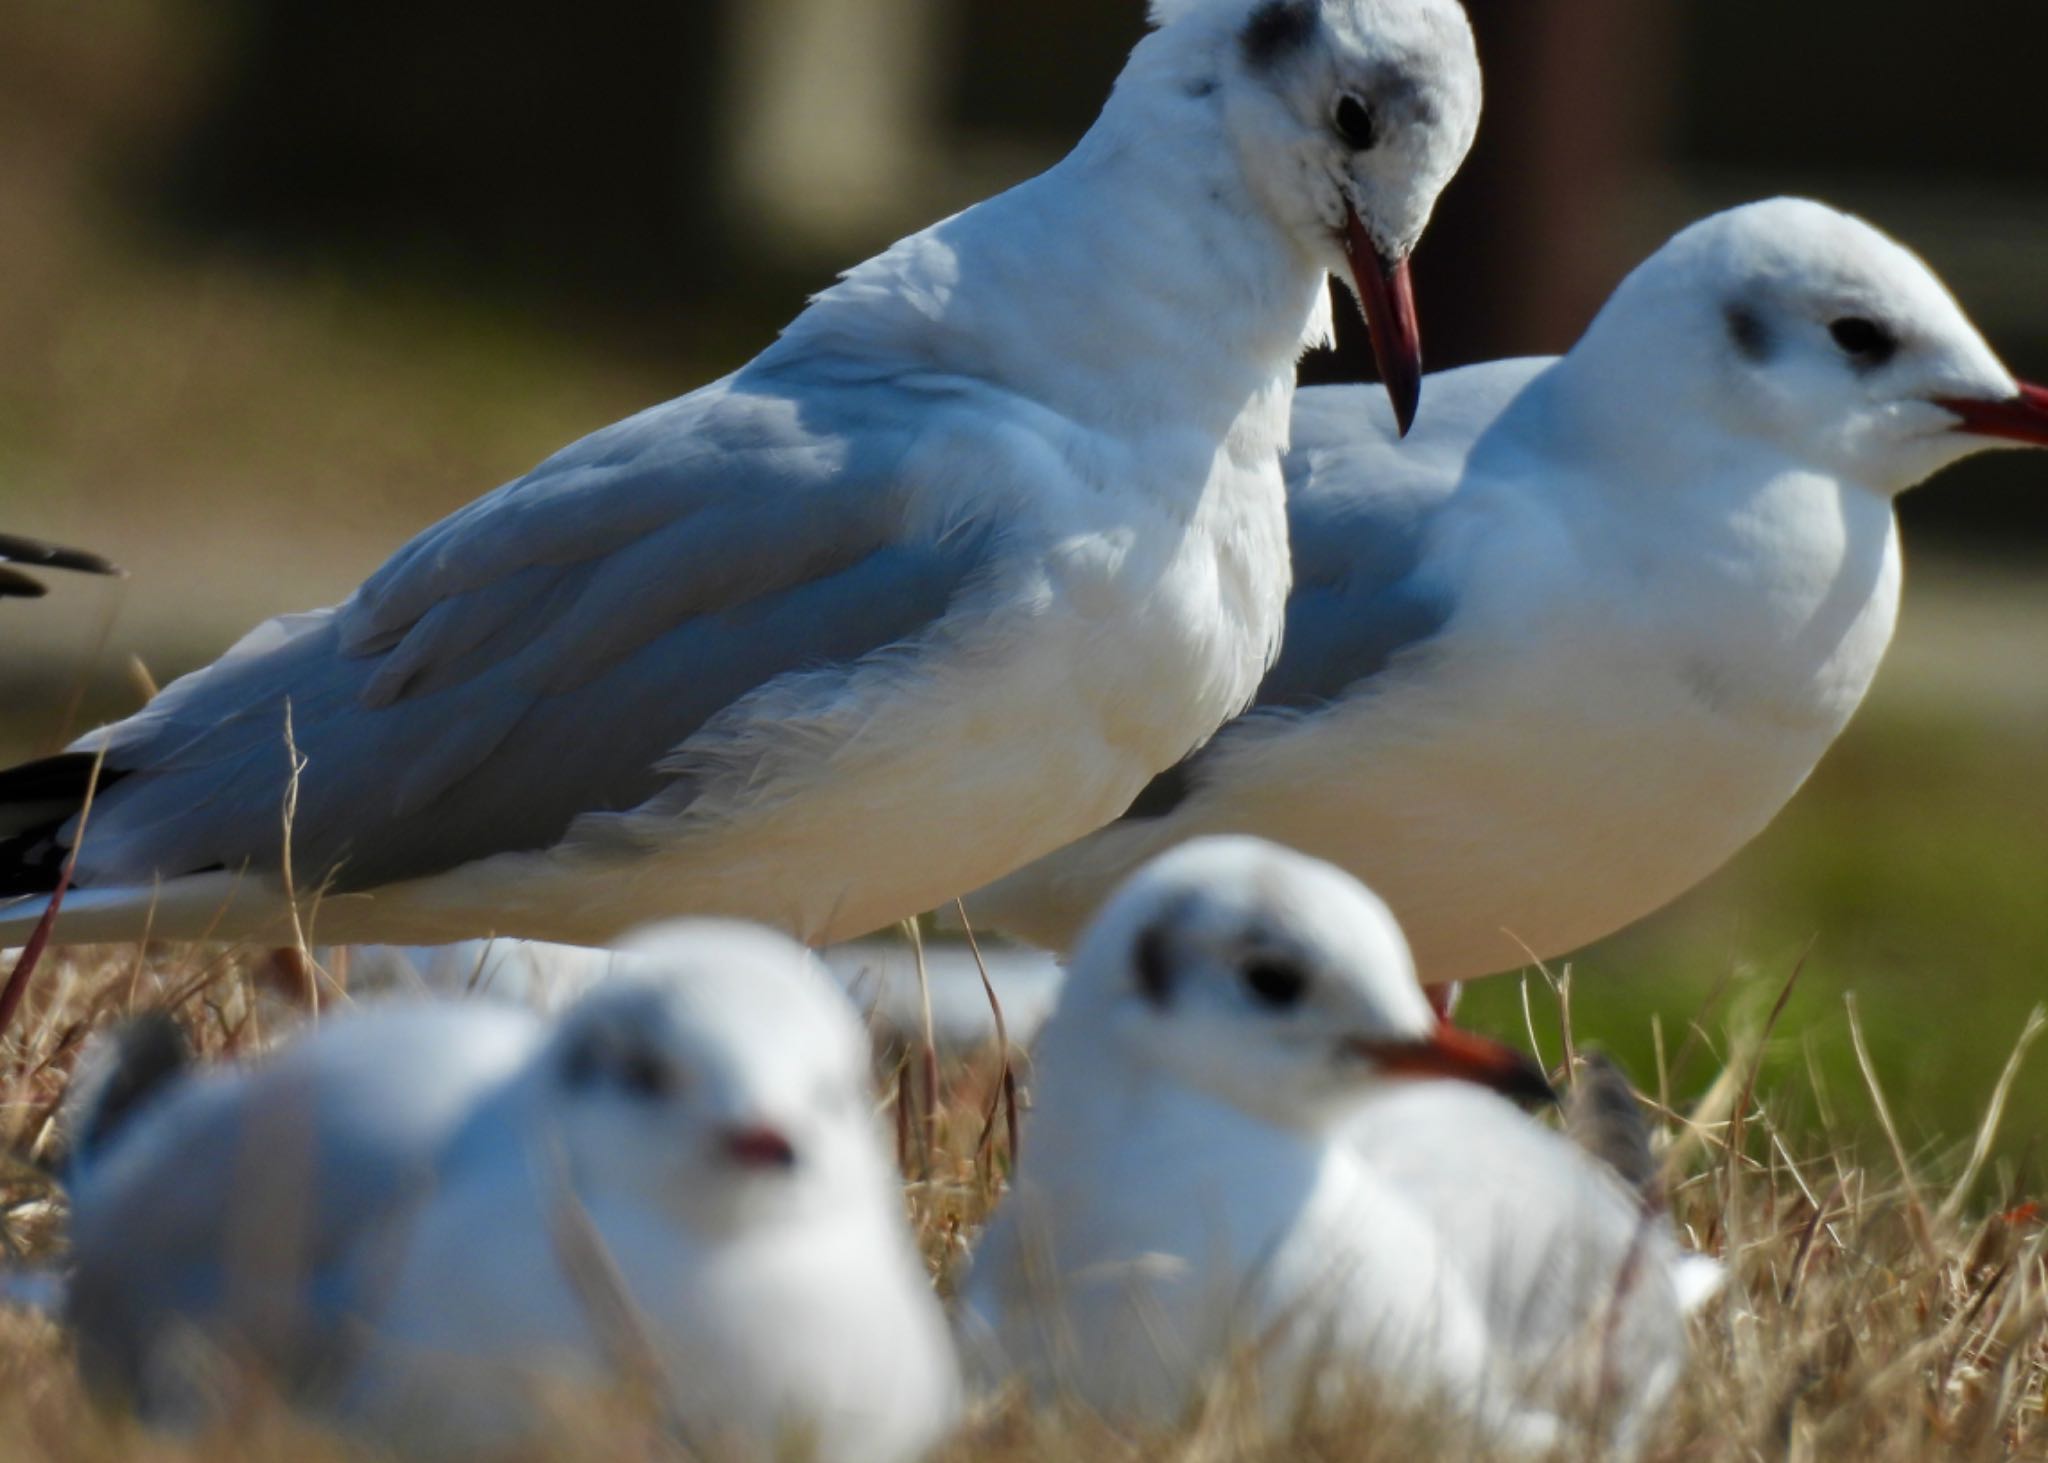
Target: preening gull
x=993, y=534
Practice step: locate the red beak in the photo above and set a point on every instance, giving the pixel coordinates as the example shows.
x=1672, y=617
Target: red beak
x=759, y=1147
x=1451, y=1052
x=1386, y=292
x=2023, y=418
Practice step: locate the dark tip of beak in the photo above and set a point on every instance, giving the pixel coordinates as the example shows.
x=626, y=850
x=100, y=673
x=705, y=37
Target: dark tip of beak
x=1386, y=293
x=1455, y=1053
x=760, y=1147
x=1528, y=1083
x=2022, y=418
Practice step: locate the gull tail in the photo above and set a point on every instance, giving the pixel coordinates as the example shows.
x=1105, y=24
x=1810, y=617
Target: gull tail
x=37, y=799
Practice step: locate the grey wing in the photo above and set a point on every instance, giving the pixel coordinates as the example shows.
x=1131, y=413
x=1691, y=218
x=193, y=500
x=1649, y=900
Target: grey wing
x=536, y=656
x=1361, y=503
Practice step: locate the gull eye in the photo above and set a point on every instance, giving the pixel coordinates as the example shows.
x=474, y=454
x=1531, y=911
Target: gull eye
x=1865, y=341
x=1276, y=984
x=645, y=1077
x=1354, y=123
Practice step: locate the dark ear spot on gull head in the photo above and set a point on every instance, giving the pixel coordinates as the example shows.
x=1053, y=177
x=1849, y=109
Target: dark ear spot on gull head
x=1153, y=962
x=1747, y=329
x=624, y=1062
x=1277, y=27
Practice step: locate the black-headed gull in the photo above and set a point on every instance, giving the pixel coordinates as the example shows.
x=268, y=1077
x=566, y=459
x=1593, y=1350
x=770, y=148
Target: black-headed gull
x=408, y=1219
x=1229, y=1149
x=1557, y=656
x=992, y=535
x=35, y=554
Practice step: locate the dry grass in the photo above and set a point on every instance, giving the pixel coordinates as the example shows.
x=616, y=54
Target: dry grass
x=1873, y=1314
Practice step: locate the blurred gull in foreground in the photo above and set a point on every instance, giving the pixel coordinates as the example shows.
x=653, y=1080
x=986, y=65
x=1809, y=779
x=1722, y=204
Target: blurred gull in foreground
x=686, y=1180
x=1556, y=657
x=677, y=1188
x=1230, y=1153
x=992, y=534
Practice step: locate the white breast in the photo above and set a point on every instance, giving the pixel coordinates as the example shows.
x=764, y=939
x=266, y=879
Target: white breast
x=1590, y=738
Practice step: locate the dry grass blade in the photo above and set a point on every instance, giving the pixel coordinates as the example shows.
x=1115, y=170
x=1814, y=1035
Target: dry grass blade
x=1994, y=1114
x=1004, y=1095
x=1916, y=1208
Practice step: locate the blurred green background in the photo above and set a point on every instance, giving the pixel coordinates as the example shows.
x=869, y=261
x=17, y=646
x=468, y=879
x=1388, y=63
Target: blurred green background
x=283, y=280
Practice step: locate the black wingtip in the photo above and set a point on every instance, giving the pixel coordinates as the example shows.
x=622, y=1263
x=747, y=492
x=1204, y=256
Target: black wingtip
x=15, y=549
x=36, y=800
x=16, y=585
x=64, y=778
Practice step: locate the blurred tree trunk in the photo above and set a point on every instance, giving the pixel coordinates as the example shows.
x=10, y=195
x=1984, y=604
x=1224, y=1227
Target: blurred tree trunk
x=830, y=130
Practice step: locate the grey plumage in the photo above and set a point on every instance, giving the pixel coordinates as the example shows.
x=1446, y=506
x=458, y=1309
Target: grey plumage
x=433, y=709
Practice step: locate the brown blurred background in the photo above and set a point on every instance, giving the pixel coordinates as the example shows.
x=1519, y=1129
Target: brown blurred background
x=283, y=280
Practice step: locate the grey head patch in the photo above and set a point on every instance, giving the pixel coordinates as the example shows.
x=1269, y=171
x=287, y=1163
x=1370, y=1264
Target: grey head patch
x=1747, y=329
x=1152, y=957
x=1276, y=29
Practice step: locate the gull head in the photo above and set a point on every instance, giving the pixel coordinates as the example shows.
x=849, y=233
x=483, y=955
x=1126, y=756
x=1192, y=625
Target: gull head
x=1350, y=117
x=717, y=1076
x=1803, y=327
x=1270, y=981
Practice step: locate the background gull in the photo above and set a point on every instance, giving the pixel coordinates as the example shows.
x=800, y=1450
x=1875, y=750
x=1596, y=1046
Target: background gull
x=990, y=536
x=1555, y=658
x=1229, y=1149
